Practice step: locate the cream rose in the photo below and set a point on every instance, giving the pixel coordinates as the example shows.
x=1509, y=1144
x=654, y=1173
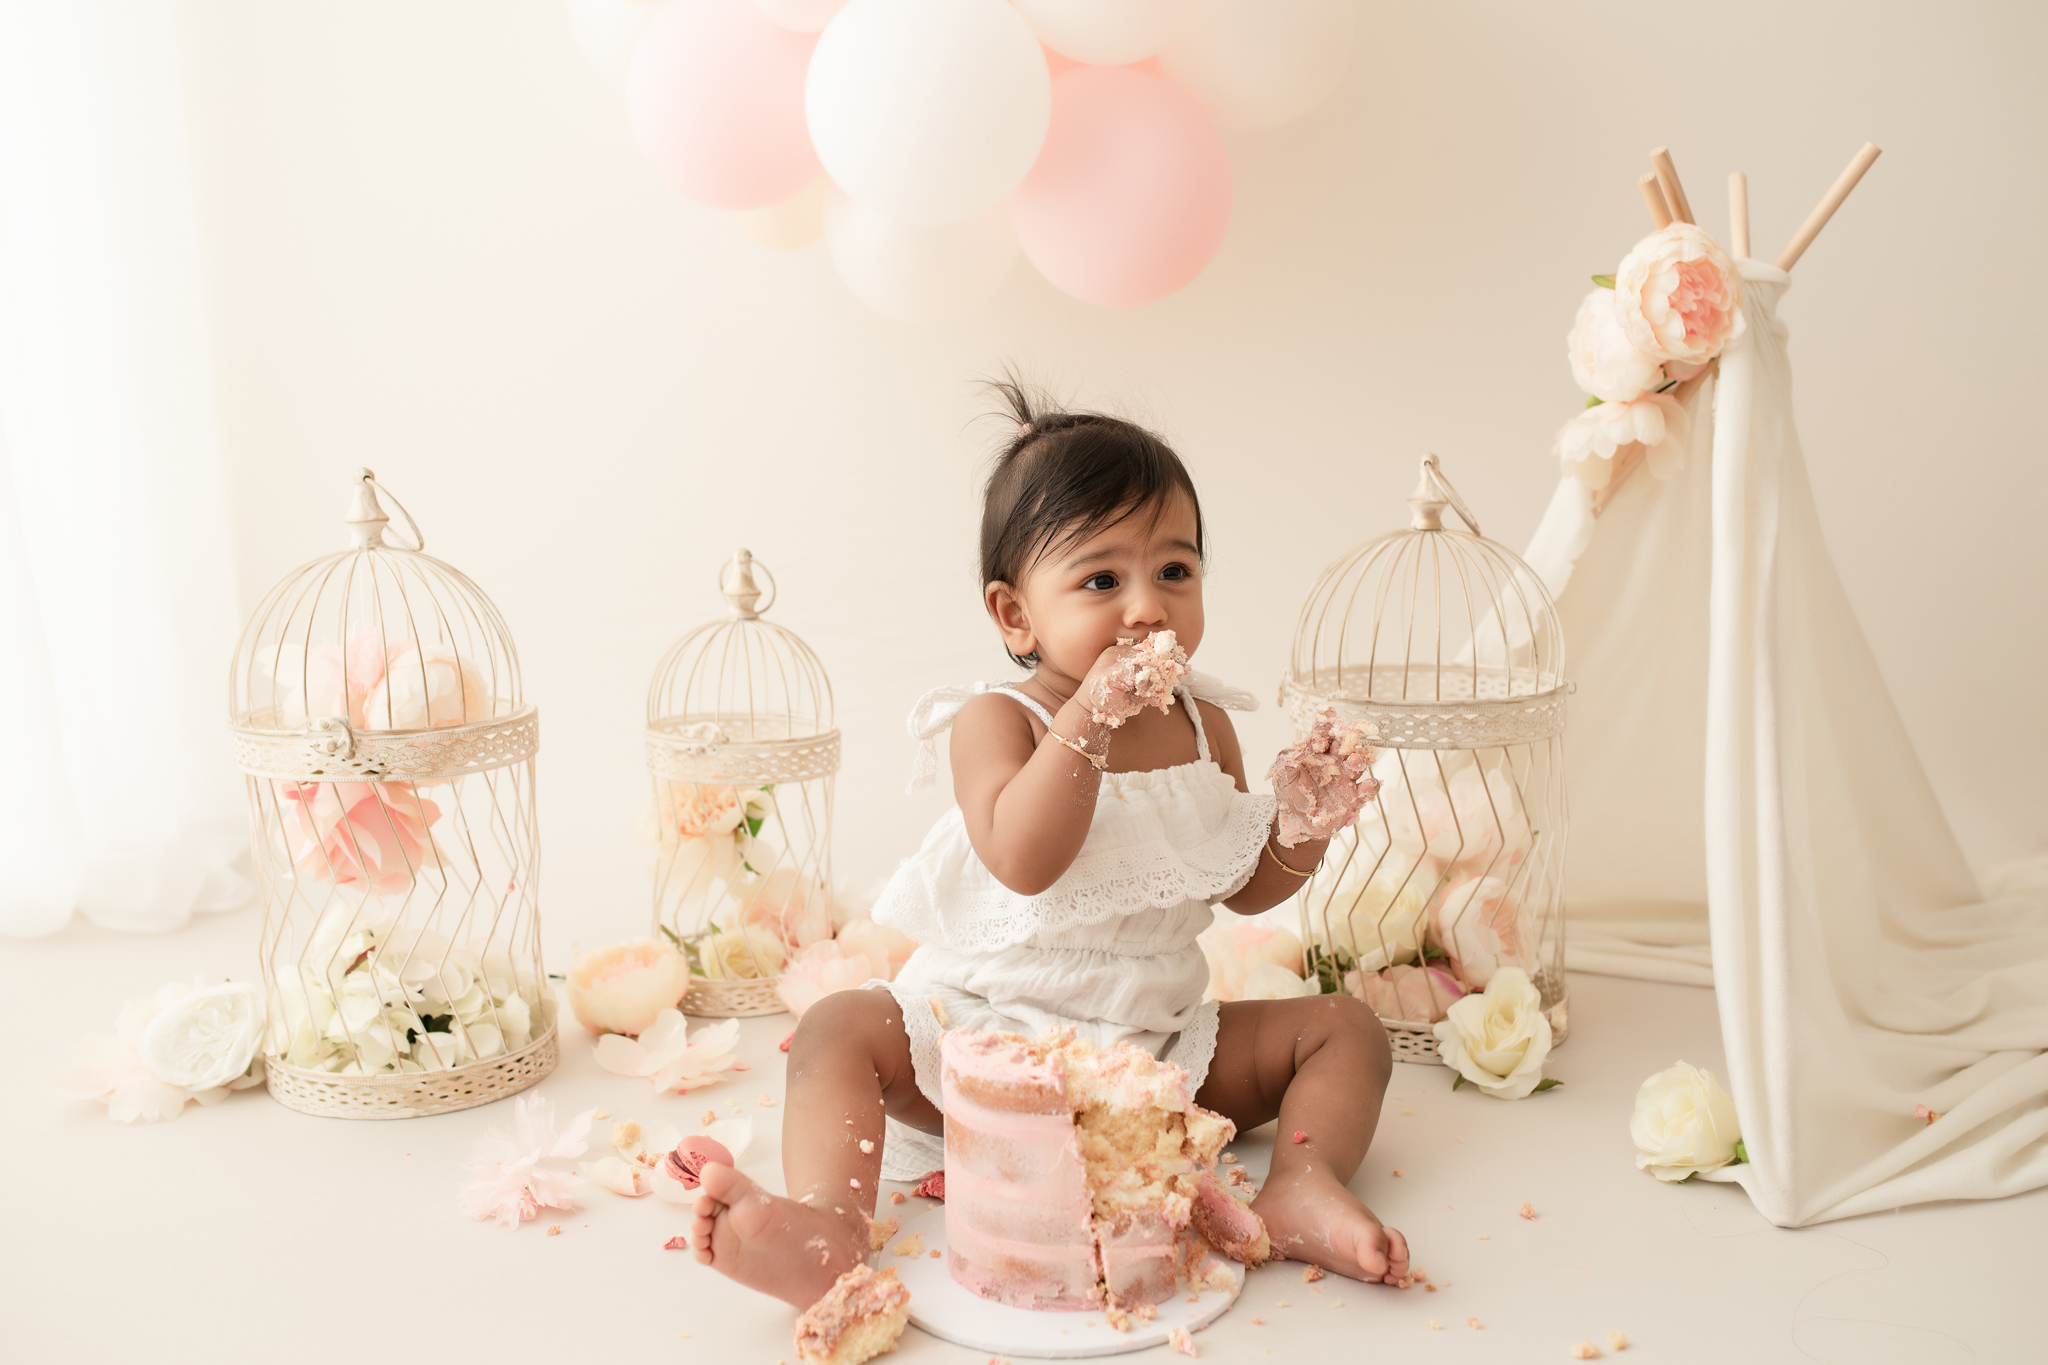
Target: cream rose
x=204, y=1038
x=1498, y=1039
x=1236, y=947
x=1377, y=922
x=744, y=954
x=1678, y=295
x=1587, y=445
x=1604, y=361
x=1684, y=1123
x=621, y=989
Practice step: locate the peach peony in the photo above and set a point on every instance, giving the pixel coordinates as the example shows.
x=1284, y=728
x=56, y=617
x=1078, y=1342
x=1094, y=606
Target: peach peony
x=621, y=989
x=426, y=689
x=1588, y=444
x=1604, y=361
x=887, y=948
x=819, y=970
x=1406, y=994
x=1479, y=924
x=796, y=909
x=1678, y=295
x=367, y=834
x=1234, y=946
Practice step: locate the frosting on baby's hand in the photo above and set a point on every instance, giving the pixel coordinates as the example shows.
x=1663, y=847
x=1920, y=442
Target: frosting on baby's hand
x=1145, y=676
x=1323, y=781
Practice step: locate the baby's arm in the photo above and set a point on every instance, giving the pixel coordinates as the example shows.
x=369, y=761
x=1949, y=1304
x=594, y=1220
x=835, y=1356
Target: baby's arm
x=1027, y=798
x=1270, y=885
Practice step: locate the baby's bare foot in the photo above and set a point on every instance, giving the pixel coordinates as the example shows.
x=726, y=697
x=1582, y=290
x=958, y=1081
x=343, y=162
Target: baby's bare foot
x=1310, y=1217
x=769, y=1243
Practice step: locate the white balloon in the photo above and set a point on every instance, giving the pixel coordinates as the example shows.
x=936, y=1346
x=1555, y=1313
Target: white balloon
x=794, y=223
x=1255, y=64
x=608, y=31
x=918, y=273
x=1104, y=32
x=928, y=111
x=803, y=16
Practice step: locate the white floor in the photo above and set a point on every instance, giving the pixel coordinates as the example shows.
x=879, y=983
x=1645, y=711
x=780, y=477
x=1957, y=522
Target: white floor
x=246, y=1231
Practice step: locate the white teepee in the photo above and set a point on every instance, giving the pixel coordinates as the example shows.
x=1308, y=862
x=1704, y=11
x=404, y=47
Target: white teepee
x=1798, y=860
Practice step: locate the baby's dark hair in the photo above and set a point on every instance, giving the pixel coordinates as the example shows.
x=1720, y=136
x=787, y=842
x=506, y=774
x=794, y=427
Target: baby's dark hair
x=1063, y=477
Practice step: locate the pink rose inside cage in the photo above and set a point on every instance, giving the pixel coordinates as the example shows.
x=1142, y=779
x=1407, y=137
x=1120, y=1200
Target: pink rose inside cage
x=742, y=753
x=389, y=763
x=1447, y=644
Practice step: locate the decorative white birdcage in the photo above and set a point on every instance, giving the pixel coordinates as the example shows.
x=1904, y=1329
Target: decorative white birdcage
x=1450, y=646
x=742, y=749
x=376, y=711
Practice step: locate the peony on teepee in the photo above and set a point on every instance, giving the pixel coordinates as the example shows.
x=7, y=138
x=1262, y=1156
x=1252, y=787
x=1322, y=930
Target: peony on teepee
x=1798, y=861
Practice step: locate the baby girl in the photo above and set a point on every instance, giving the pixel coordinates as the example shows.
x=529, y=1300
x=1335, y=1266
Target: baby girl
x=1093, y=835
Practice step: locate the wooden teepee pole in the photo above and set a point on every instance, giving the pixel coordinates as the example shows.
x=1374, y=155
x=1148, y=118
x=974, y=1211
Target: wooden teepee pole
x=1818, y=219
x=1738, y=214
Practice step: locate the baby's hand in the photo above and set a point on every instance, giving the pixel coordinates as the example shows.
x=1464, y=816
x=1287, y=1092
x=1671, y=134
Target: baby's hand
x=1323, y=782
x=1129, y=676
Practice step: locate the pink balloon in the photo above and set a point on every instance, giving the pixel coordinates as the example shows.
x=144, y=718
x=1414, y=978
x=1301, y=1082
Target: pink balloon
x=1130, y=198
x=716, y=97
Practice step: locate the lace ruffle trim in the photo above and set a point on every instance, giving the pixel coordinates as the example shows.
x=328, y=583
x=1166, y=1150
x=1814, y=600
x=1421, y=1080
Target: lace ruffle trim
x=1195, y=1049
x=1098, y=887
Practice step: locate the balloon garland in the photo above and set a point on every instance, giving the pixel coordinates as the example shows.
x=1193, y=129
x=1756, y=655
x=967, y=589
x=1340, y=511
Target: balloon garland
x=932, y=142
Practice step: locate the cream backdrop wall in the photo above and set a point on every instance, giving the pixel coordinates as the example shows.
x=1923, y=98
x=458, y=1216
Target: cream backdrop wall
x=434, y=250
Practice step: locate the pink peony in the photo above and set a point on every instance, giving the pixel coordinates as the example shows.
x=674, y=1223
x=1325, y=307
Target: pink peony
x=796, y=909
x=887, y=948
x=1408, y=995
x=369, y=834
x=1470, y=825
x=1588, y=444
x=622, y=989
x=697, y=812
x=1678, y=295
x=669, y=1056
x=1235, y=946
x=509, y=1185
x=1604, y=361
x=339, y=679
x=819, y=970
x=1479, y=924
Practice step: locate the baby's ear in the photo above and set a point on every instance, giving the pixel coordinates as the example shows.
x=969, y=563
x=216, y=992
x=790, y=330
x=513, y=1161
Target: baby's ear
x=1006, y=609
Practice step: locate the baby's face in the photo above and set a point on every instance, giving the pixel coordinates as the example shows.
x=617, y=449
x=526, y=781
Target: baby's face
x=1125, y=581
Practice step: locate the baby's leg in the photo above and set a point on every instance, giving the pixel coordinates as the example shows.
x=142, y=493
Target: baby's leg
x=849, y=1064
x=1320, y=1065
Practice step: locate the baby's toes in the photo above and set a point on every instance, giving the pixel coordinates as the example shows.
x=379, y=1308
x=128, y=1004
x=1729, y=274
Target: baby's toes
x=1397, y=1255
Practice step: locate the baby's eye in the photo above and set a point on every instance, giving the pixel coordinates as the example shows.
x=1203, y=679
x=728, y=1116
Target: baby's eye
x=1102, y=582
x=1174, y=573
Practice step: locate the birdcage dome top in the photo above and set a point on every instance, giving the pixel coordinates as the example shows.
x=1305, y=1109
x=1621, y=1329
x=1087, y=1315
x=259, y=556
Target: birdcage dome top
x=1441, y=637
x=740, y=698
x=378, y=661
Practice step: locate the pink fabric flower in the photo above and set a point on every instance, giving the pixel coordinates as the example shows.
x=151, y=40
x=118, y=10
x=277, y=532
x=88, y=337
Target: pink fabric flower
x=796, y=909
x=819, y=970
x=1407, y=994
x=112, y=1070
x=510, y=1185
x=1604, y=361
x=622, y=989
x=1235, y=946
x=887, y=948
x=1588, y=444
x=669, y=1056
x=1678, y=295
x=368, y=834
x=1479, y=924
x=426, y=688
x=338, y=679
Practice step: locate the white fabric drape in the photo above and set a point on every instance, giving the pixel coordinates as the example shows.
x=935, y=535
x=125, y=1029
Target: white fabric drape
x=1859, y=969
x=117, y=610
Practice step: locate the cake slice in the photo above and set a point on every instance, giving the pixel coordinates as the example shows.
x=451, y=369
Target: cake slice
x=1230, y=1227
x=860, y=1317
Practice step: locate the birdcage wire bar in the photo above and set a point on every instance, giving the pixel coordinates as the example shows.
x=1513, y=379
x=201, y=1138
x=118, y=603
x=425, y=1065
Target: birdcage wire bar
x=1449, y=645
x=389, y=760
x=742, y=752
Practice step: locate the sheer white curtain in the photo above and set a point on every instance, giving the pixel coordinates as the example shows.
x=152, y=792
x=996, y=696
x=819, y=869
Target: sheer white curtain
x=118, y=799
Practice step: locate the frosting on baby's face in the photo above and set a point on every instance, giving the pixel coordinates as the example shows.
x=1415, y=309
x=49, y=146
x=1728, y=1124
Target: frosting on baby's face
x=1141, y=574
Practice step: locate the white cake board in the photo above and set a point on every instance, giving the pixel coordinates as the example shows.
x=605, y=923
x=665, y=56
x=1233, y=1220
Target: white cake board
x=945, y=1308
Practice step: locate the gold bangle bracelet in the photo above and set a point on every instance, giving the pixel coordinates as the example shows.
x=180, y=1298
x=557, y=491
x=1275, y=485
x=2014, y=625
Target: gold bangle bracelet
x=1290, y=871
x=1101, y=762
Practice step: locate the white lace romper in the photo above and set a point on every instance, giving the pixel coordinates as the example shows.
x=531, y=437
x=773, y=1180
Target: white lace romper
x=1108, y=949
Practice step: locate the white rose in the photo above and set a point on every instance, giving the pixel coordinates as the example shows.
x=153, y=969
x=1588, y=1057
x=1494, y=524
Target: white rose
x=206, y=1038
x=1588, y=444
x=1498, y=1039
x=1684, y=1122
x=1270, y=981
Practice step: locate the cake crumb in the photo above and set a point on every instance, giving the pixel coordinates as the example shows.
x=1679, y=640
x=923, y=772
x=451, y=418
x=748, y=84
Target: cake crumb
x=1281, y=1304
x=676, y=1244
x=1144, y=1312
x=1586, y=1350
x=896, y=1196
x=1117, y=1318
x=767, y=1100
x=1311, y=1274
x=1430, y=1288
x=742, y=1066
x=1617, y=1341
x=1230, y=1158
x=554, y=1229
x=710, y=1116
x=1484, y=1238
x=1182, y=1342
x=880, y=1230
x=853, y=1182
x=934, y=1253
x=939, y=1012
x=1258, y=1322
x=1338, y=1304
x=601, y=1114
x=1400, y=1172
x=1527, y=1210
x=1407, y=1111
x=1921, y=1111
x=684, y=1335
x=808, y=1198
x=913, y=1245
x=783, y=1046
x=1473, y=1323
x=1435, y=1326
x=867, y=1148
x=1299, y=1136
